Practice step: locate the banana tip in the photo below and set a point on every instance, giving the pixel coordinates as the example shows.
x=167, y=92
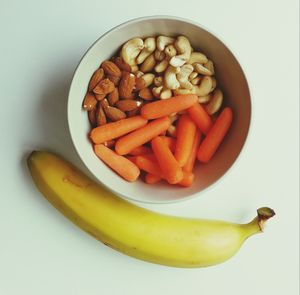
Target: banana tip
x=265, y=213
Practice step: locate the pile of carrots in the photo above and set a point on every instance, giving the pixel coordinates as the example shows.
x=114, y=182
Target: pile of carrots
x=141, y=145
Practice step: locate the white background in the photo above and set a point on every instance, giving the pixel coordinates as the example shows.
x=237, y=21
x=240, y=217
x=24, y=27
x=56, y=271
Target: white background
x=41, y=252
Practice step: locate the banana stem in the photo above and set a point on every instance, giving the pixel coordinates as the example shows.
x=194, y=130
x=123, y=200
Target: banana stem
x=263, y=214
x=258, y=223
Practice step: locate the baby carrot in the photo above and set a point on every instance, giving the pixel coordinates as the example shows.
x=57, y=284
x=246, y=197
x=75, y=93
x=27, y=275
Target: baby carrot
x=166, y=161
x=188, y=179
x=116, y=129
x=189, y=165
x=215, y=136
x=166, y=107
x=125, y=168
x=151, y=179
x=140, y=150
x=149, y=164
x=200, y=117
x=186, y=131
x=170, y=142
x=142, y=135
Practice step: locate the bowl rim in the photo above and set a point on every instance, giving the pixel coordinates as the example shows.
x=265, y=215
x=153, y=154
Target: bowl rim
x=243, y=146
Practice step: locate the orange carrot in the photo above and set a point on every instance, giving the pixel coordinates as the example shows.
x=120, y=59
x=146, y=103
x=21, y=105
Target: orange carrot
x=215, y=136
x=140, y=150
x=149, y=164
x=151, y=179
x=200, y=117
x=166, y=161
x=121, y=165
x=189, y=165
x=116, y=129
x=170, y=142
x=154, y=174
x=131, y=158
x=166, y=107
x=186, y=131
x=188, y=179
x=138, y=137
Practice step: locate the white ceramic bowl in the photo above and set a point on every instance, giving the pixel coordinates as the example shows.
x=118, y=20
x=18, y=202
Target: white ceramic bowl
x=231, y=80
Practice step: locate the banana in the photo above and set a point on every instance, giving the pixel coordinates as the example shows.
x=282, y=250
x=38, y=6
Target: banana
x=135, y=231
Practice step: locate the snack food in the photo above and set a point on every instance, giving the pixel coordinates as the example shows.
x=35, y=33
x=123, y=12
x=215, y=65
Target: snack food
x=155, y=87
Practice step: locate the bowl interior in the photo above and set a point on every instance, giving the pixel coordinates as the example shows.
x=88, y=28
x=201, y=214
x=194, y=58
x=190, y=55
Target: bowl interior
x=231, y=80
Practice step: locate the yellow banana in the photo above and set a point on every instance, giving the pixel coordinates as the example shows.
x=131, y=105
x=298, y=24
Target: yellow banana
x=158, y=238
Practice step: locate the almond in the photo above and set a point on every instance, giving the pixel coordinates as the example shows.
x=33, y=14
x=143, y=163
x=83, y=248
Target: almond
x=140, y=83
x=92, y=117
x=100, y=96
x=114, y=114
x=105, y=86
x=104, y=103
x=96, y=78
x=126, y=85
x=114, y=79
x=100, y=116
x=127, y=105
x=113, y=97
x=133, y=113
x=121, y=64
x=89, y=102
x=149, y=64
x=111, y=69
x=136, y=111
x=146, y=94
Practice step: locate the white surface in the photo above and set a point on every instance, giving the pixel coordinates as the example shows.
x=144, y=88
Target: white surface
x=42, y=253
x=227, y=68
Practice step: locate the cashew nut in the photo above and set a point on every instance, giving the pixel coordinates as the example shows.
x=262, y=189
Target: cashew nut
x=204, y=99
x=184, y=91
x=196, y=81
x=148, y=78
x=202, y=69
x=131, y=50
x=214, y=84
x=166, y=93
x=193, y=75
x=201, y=90
x=156, y=91
x=149, y=47
x=183, y=46
x=215, y=103
x=159, y=55
x=204, y=87
x=183, y=76
x=134, y=68
x=197, y=57
x=170, y=50
x=163, y=41
x=171, y=131
x=210, y=65
x=139, y=74
x=170, y=79
x=161, y=66
x=158, y=81
x=148, y=64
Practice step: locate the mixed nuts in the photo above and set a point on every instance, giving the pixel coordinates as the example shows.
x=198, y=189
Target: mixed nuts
x=146, y=70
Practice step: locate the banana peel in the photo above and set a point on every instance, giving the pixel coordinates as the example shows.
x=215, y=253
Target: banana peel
x=135, y=231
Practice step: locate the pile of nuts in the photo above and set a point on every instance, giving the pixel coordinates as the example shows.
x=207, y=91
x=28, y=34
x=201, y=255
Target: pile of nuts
x=146, y=70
